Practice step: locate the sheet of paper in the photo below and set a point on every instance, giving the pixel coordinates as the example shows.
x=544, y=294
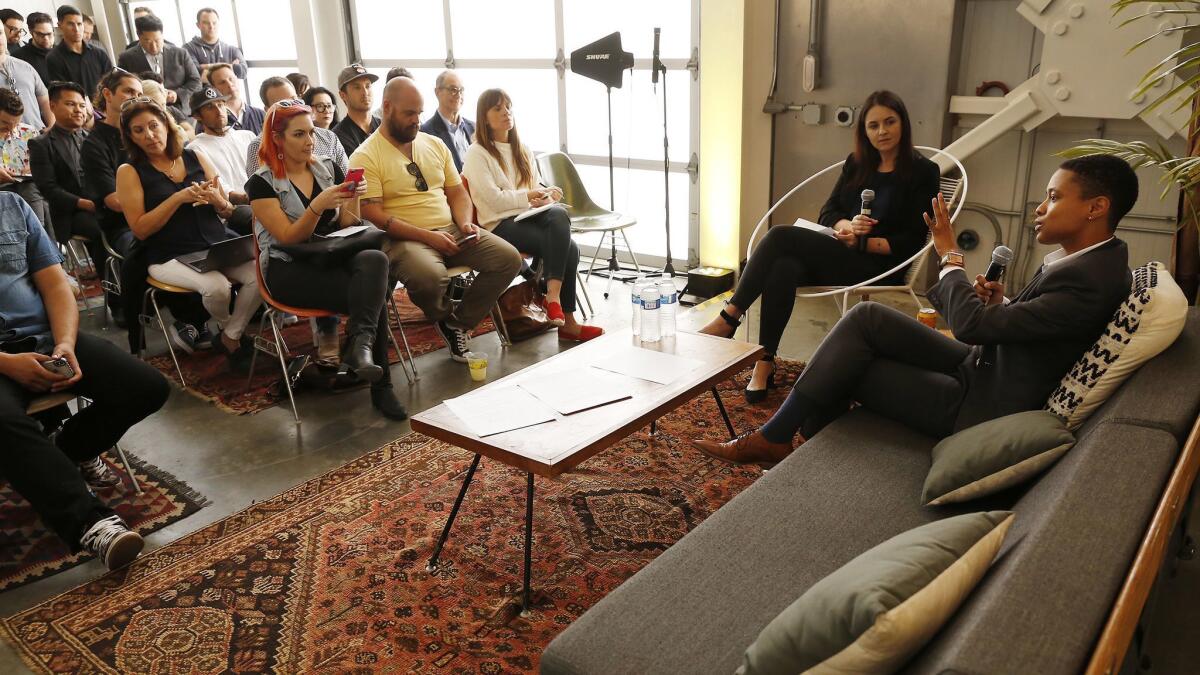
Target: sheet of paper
x=494, y=411
x=572, y=391
x=647, y=364
x=815, y=227
x=347, y=231
x=533, y=212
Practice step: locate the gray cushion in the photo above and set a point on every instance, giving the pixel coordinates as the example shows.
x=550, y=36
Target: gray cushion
x=994, y=455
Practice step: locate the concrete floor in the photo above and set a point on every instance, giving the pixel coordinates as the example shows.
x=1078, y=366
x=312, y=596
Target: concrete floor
x=238, y=460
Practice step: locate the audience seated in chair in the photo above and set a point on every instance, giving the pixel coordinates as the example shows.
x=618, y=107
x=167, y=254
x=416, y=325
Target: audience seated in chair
x=415, y=195
x=41, y=322
x=1006, y=356
x=24, y=79
x=242, y=115
x=296, y=195
x=54, y=159
x=16, y=175
x=226, y=149
x=504, y=183
x=883, y=160
x=324, y=107
x=354, y=86
x=447, y=122
x=180, y=76
x=172, y=201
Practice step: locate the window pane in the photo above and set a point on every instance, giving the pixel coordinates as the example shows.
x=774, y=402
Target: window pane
x=522, y=30
x=188, y=9
x=421, y=33
x=586, y=22
x=165, y=11
x=254, y=78
x=534, y=94
x=637, y=117
x=640, y=194
x=267, y=30
x=423, y=77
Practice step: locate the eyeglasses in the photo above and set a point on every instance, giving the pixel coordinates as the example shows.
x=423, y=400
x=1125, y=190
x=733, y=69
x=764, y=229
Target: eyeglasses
x=41, y=35
x=292, y=103
x=415, y=172
x=322, y=107
x=456, y=91
x=19, y=31
x=135, y=101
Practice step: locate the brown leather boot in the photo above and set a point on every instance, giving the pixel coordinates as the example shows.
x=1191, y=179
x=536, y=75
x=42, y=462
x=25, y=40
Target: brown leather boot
x=749, y=448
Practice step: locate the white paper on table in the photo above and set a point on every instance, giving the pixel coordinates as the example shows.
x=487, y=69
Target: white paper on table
x=572, y=391
x=647, y=364
x=347, y=231
x=494, y=411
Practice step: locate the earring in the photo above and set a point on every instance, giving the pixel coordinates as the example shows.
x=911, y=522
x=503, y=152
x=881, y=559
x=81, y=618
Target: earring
x=280, y=156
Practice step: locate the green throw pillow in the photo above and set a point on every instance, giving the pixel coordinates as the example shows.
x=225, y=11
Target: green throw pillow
x=994, y=455
x=879, y=609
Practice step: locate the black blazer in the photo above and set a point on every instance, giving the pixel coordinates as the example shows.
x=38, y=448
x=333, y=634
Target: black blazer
x=434, y=125
x=55, y=177
x=901, y=224
x=1022, y=350
x=180, y=74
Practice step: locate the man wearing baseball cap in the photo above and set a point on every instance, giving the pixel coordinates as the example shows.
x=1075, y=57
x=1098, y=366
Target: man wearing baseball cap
x=227, y=148
x=354, y=88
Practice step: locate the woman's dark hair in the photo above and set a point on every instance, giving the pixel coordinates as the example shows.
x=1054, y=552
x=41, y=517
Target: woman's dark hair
x=1106, y=176
x=10, y=102
x=300, y=82
x=866, y=157
x=485, y=137
x=312, y=94
x=174, y=147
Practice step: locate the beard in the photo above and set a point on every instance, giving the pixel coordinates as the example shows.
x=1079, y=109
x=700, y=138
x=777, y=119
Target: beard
x=402, y=133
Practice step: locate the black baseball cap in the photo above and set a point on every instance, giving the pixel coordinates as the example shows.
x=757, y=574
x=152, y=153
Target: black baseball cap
x=204, y=97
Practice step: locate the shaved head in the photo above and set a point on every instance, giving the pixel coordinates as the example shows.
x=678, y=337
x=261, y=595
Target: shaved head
x=402, y=108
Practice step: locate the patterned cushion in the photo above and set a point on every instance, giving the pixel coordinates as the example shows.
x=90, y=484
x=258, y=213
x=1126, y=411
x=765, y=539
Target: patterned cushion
x=1144, y=325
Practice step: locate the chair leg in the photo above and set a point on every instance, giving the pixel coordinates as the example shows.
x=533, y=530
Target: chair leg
x=633, y=255
x=163, y=326
x=394, y=313
x=255, y=349
x=287, y=382
x=916, y=299
x=596, y=255
x=128, y=468
x=501, y=327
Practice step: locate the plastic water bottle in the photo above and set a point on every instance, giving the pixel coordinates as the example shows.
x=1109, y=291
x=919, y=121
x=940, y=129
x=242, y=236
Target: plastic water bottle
x=650, y=313
x=635, y=297
x=668, y=305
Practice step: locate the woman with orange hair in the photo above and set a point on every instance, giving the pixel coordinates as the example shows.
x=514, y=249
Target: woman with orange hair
x=295, y=195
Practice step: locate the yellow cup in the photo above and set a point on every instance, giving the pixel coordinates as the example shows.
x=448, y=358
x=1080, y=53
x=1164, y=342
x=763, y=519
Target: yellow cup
x=477, y=362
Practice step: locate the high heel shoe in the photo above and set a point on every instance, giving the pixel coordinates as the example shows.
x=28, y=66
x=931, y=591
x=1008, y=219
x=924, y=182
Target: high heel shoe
x=760, y=395
x=729, y=321
x=357, y=359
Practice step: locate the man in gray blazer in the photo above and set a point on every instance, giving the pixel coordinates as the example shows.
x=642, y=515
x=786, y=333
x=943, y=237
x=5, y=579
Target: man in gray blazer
x=180, y=76
x=1006, y=356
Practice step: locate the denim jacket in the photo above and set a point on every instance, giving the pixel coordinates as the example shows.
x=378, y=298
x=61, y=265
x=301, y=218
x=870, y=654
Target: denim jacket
x=289, y=201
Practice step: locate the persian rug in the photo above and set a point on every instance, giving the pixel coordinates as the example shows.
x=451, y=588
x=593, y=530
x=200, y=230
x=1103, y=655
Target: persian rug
x=330, y=576
x=29, y=551
x=210, y=379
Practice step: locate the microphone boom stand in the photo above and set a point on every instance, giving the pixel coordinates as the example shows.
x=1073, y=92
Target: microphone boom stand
x=669, y=268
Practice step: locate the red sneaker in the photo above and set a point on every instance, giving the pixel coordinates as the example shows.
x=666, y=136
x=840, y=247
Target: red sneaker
x=554, y=313
x=585, y=333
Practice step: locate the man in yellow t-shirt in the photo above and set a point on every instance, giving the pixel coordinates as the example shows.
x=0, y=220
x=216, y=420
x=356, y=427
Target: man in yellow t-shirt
x=414, y=194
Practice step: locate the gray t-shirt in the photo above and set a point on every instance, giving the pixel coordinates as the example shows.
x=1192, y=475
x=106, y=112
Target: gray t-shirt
x=19, y=75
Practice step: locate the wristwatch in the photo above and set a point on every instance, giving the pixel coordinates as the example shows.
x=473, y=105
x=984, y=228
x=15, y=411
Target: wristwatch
x=951, y=258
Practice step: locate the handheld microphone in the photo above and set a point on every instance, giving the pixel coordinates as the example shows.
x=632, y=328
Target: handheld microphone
x=655, y=63
x=1002, y=256
x=868, y=198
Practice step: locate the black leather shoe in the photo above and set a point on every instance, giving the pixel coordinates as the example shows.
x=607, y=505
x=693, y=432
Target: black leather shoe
x=357, y=359
x=383, y=398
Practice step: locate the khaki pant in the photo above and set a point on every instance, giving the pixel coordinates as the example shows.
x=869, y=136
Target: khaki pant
x=422, y=270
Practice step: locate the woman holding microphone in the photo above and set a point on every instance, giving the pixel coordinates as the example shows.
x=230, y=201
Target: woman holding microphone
x=903, y=181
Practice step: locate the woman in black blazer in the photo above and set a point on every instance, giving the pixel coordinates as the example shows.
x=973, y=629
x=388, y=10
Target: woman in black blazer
x=862, y=247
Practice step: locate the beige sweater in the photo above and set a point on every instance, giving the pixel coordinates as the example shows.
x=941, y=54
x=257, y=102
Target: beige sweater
x=493, y=186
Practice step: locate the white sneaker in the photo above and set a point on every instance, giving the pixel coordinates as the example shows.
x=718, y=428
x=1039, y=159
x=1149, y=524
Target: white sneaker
x=111, y=541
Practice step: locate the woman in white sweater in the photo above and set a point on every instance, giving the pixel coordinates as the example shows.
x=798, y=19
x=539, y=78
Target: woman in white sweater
x=504, y=183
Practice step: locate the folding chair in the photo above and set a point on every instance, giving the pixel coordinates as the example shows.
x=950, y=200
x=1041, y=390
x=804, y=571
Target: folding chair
x=43, y=403
x=151, y=297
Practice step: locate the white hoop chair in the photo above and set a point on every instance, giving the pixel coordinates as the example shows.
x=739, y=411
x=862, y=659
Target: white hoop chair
x=955, y=188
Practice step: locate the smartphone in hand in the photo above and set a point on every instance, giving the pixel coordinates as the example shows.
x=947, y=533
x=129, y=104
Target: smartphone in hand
x=59, y=366
x=355, y=176
x=467, y=239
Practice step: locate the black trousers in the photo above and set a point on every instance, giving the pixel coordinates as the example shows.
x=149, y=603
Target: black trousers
x=359, y=290
x=123, y=391
x=242, y=220
x=547, y=235
x=69, y=224
x=789, y=257
x=884, y=359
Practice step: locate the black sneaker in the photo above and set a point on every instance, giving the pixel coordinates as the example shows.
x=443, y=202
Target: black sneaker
x=97, y=474
x=183, y=336
x=457, y=340
x=205, y=338
x=111, y=541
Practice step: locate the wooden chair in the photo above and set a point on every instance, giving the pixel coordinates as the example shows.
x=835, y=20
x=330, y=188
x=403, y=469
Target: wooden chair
x=46, y=402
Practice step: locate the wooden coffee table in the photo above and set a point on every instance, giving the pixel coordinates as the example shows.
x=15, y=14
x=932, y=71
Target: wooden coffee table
x=576, y=437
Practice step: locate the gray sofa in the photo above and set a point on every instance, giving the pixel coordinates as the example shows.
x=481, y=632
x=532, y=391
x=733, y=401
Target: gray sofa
x=1040, y=609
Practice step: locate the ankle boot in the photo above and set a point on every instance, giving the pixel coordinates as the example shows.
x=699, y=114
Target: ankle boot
x=357, y=359
x=383, y=398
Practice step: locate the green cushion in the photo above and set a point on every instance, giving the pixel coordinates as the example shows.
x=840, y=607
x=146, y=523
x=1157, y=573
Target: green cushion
x=994, y=455
x=872, y=614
